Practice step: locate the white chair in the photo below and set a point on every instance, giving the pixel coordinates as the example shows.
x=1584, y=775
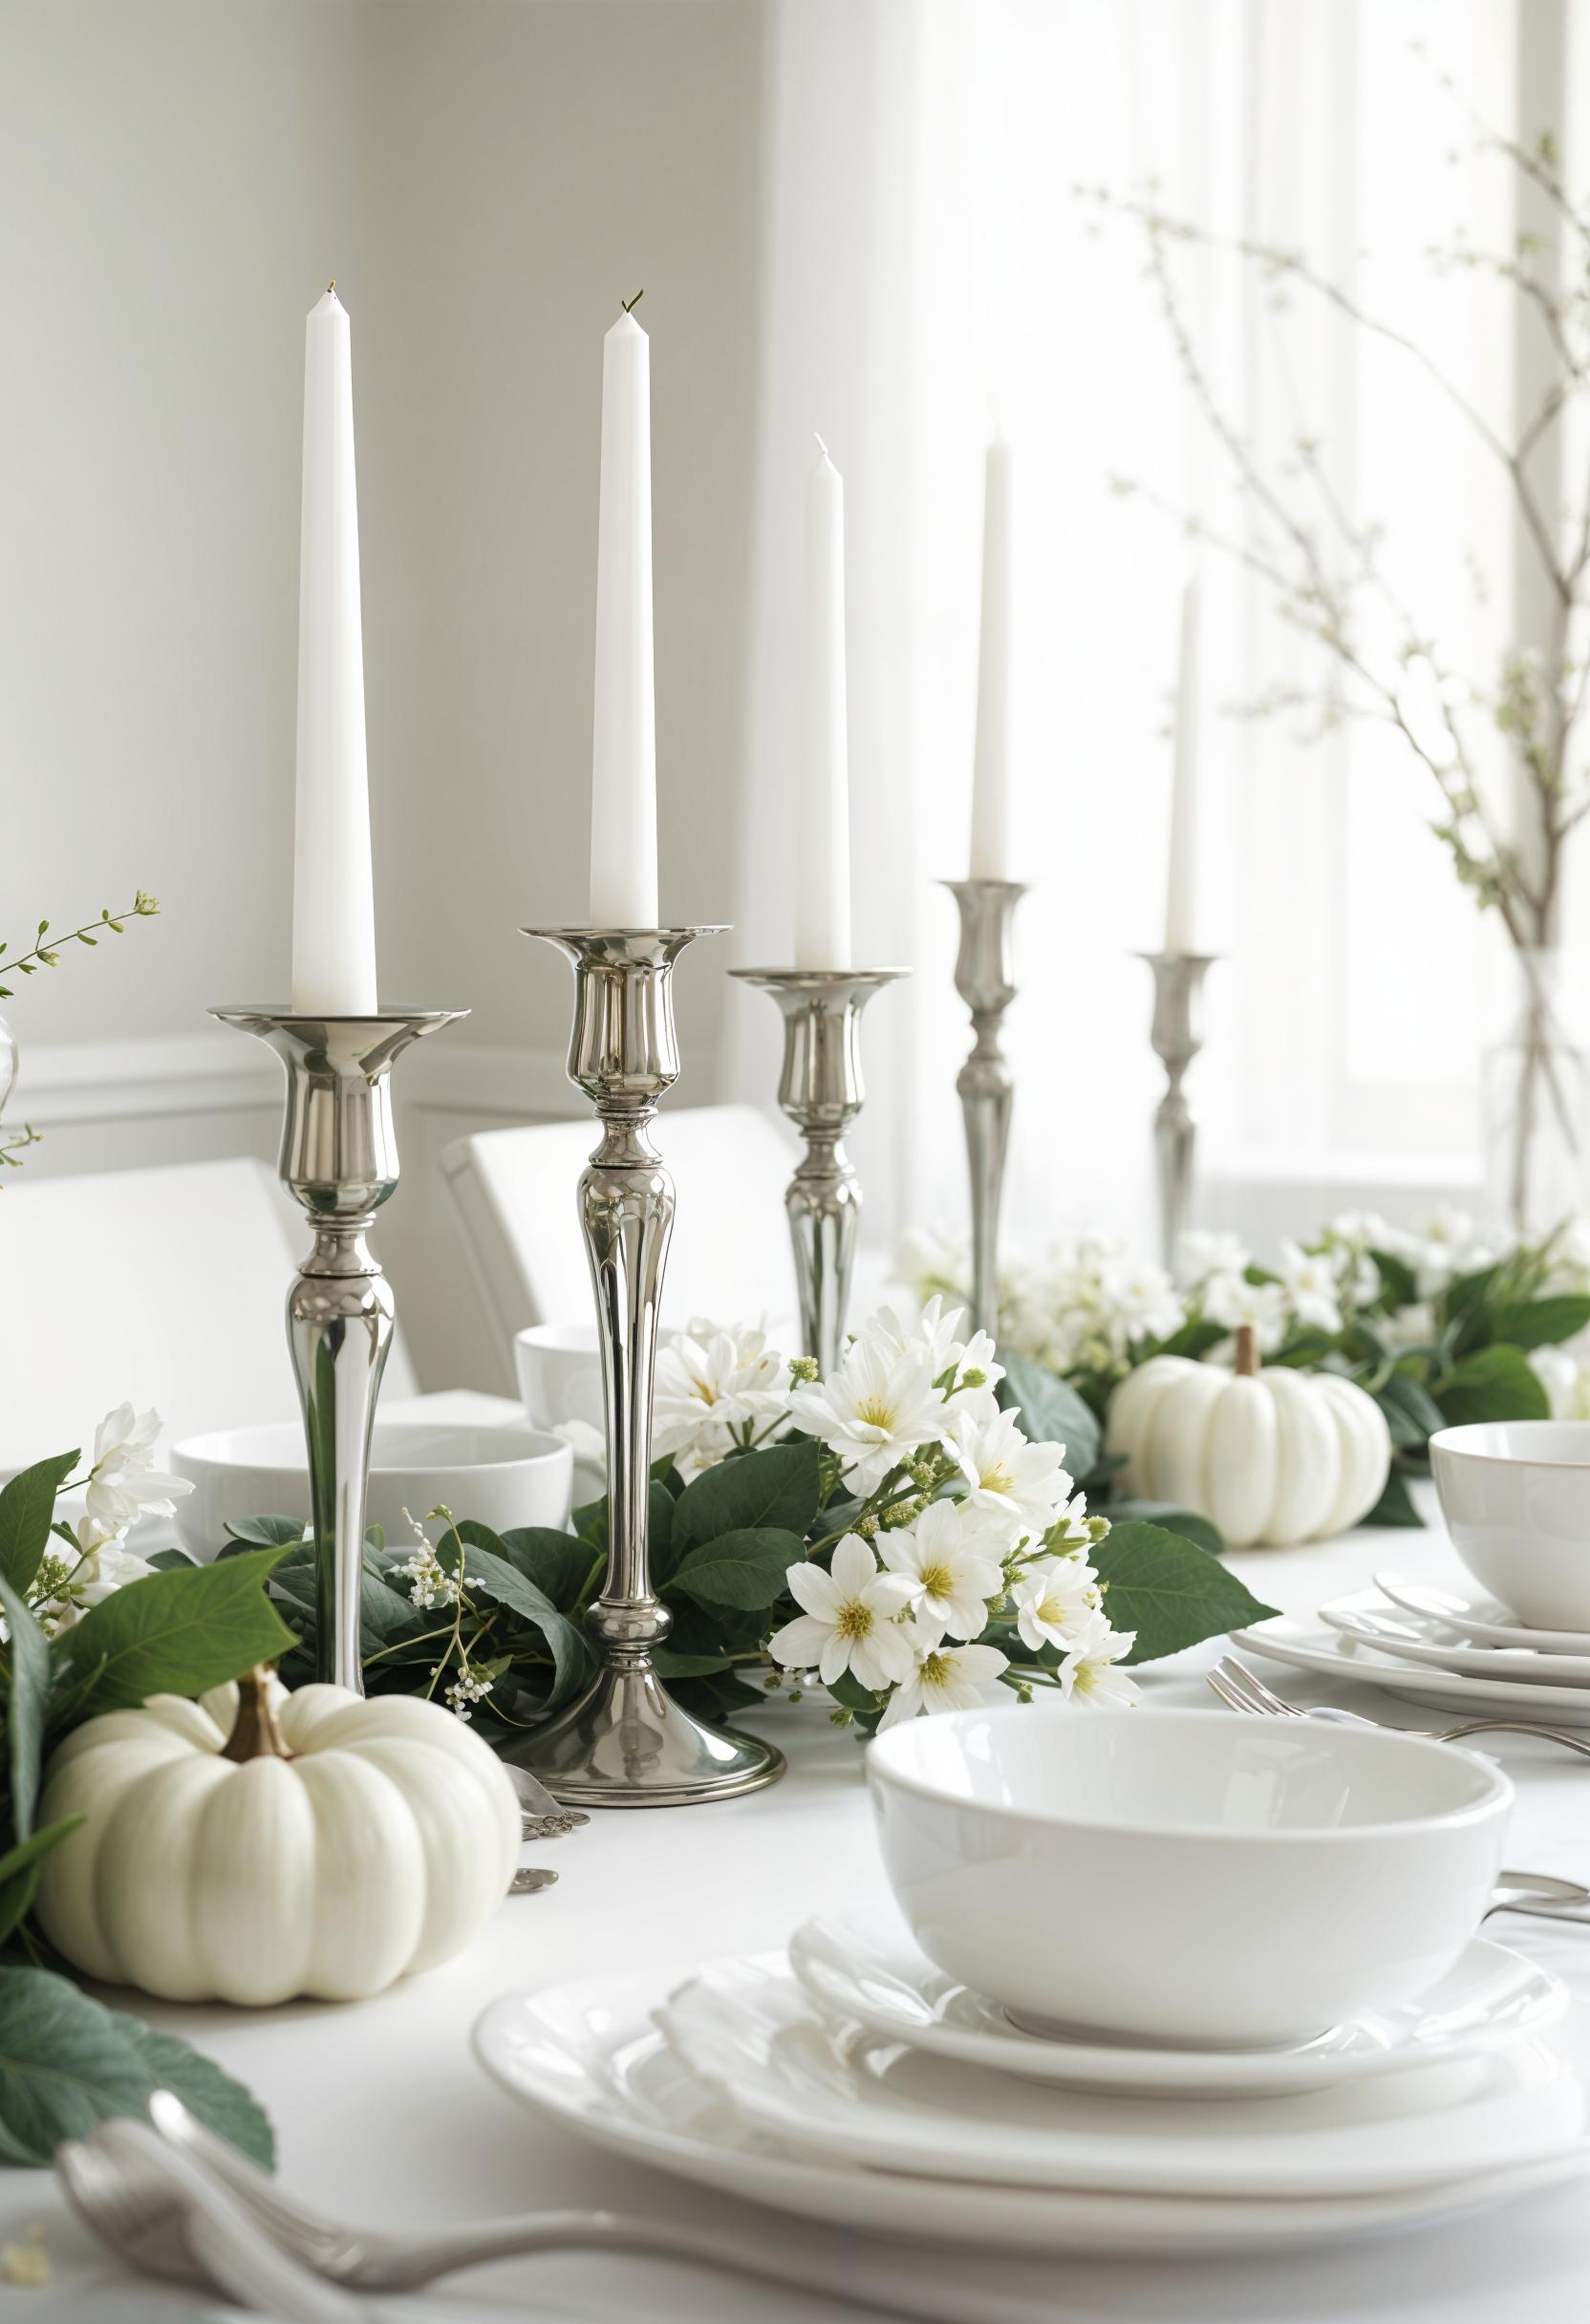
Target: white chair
x=729, y=1257
x=162, y=1288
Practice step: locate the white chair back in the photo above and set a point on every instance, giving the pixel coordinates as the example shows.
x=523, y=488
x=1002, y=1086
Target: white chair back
x=164, y=1287
x=729, y=1257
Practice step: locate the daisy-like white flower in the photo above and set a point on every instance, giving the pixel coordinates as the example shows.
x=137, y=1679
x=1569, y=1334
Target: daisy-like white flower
x=123, y=1482
x=1232, y=1300
x=1144, y=1300
x=974, y=1372
x=850, y=1619
x=1056, y=1603
x=942, y=1676
x=873, y=1412
x=1310, y=1281
x=1565, y=1380
x=1024, y=1486
x=106, y=1568
x=1201, y=1253
x=710, y=1385
x=1092, y=1675
x=945, y=1554
x=1415, y=1326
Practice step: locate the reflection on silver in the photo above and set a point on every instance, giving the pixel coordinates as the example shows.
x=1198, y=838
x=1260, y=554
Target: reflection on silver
x=820, y=1089
x=626, y=1743
x=1177, y=1035
x=340, y=1158
x=986, y=981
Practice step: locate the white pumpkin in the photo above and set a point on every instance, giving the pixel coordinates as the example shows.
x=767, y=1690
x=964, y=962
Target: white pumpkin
x=258, y=1845
x=1270, y=1456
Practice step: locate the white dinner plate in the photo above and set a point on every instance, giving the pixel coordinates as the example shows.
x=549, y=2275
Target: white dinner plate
x=1486, y=1621
x=588, y=2055
x=1312, y=1646
x=1412, y=1638
x=746, y=2028
x=866, y=1970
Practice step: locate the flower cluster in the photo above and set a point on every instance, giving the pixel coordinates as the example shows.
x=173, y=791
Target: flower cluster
x=715, y=1392
x=120, y=1485
x=964, y=1546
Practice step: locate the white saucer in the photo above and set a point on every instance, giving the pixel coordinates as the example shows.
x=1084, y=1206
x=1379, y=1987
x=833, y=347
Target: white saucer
x=1415, y=1638
x=746, y=2028
x=587, y=2054
x=1311, y=1645
x=1486, y=1621
x=865, y=1970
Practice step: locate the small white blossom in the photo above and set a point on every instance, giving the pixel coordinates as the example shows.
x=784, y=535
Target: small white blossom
x=1232, y=1300
x=1566, y=1380
x=1309, y=1280
x=1200, y=1254
x=1056, y=1603
x=713, y=1387
x=850, y=1619
x=873, y=1412
x=123, y=1483
x=941, y=1676
x=945, y=1554
x=1411, y=1327
x=466, y=1691
x=1092, y=1675
x=1024, y=1486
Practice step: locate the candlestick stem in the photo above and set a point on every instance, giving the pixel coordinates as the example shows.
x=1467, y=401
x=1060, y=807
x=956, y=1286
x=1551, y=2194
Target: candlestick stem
x=626, y=1742
x=1176, y=1031
x=820, y=1089
x=340, y=1160
x=986, y=981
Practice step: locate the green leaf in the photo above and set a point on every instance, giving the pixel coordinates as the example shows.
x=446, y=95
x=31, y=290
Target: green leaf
x=1411, y=1412
x=1052, y=1412
x=559, y=1563
x=173, y=1634
x=1492, y=1384
x=1398, y=1282
x=1396, y=1504
x=1540, y=1323
x=502, y=1580
x=64, y=2065
x=746, y=1568
x=26, y=1509
x=670, y=1665
x=590, y=1522
x=264, y=1532
x=1169, y=1591
x=220, y=2103
x=169, y=1561
x=1463, y=1305
x=1187, y=1522
x=27, y=1700
x=19, y=1871
x=1195, y=1339
x=777, y=1487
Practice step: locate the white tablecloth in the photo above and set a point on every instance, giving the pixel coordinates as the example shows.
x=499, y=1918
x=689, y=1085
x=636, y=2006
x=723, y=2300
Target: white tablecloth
x=382, y=2116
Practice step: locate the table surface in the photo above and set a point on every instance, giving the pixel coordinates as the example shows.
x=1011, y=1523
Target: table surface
x=382, y=2116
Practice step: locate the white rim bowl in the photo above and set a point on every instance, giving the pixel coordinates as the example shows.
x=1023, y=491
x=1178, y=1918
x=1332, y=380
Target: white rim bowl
x=1516, y=1496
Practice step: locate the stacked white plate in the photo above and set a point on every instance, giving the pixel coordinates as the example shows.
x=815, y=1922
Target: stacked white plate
x=1466, y=1655
x=849, y=2080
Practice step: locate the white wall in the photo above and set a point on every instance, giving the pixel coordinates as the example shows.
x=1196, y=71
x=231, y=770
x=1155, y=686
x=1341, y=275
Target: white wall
x=486, y=178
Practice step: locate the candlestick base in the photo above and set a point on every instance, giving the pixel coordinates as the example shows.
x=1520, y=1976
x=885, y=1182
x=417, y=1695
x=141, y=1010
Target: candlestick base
x=1176, y=1032
x=626, y=1743
x=985, y=979
x=820, y=1089
x=340, y=1160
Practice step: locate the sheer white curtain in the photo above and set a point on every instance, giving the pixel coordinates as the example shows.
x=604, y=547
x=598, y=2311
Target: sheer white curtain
x=932, y=271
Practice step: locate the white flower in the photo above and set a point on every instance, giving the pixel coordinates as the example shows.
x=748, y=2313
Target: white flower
x=1022, y=1484
x=1145, y=1301
x=1565, y=1380
x=967, y=1367
x=1411, y=1327
x=873, y=1412
x=105, y=1568
x=586, y=1443
x=1309, y=1280
x=850, y=1619
x=944, y=1555
x=122, y=1483
x=712, y=1385
x=942, y=1677
x=1232, y=1300
x=1199, y=1254
x=1056, y=1603
x=1445, y=1247
x=1091, y=1675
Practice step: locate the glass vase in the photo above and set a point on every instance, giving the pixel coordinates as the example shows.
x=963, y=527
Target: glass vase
x=1536, y=1105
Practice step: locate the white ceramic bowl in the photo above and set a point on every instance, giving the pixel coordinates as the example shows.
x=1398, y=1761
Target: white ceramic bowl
x=503, y=1476
x=1515, y=1495
x=1190, y=1877
x=560, y=1372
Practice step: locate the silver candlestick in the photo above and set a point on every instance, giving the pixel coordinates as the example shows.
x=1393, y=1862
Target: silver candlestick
x=820, y=1089
x=986, y=981
x=1177, y=1035
x=625, y=1742
x=340, y=1158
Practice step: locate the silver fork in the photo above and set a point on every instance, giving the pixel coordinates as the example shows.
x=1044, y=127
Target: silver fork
x=359, y=2261
x=1240, y=1689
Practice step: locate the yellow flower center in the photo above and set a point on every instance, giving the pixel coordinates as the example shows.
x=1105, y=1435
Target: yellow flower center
x=705, y=1389
x=876, y=1411
x=938, y=1581
x=854, y=1620
x=997, y=1479
x=937, y=1669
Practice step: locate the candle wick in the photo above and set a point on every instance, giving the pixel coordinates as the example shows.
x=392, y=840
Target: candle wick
x=818, y=441
x=630, y=305
x=331, y=287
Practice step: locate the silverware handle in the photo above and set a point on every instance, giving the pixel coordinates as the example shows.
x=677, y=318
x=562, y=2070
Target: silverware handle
x=1515, y=1726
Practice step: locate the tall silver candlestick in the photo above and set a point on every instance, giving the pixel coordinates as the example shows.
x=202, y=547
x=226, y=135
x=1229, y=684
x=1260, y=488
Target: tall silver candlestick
x=625, y=1743
x=1177, y=1035
x=820, y=1089
x=340, y=1158
x=986, y=981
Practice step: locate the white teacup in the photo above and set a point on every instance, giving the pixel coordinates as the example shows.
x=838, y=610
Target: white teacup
x=1185, y=1877
x=1515, y=1495
x=503, y=1477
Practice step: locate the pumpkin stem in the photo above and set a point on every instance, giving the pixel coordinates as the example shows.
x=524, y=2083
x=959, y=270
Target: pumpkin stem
x=1247, y=1352
x=255, y=1733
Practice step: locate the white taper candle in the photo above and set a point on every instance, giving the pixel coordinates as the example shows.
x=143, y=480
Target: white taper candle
x=1181, y=891
x=822, y=844
x=991, y=856
x=624, y=745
